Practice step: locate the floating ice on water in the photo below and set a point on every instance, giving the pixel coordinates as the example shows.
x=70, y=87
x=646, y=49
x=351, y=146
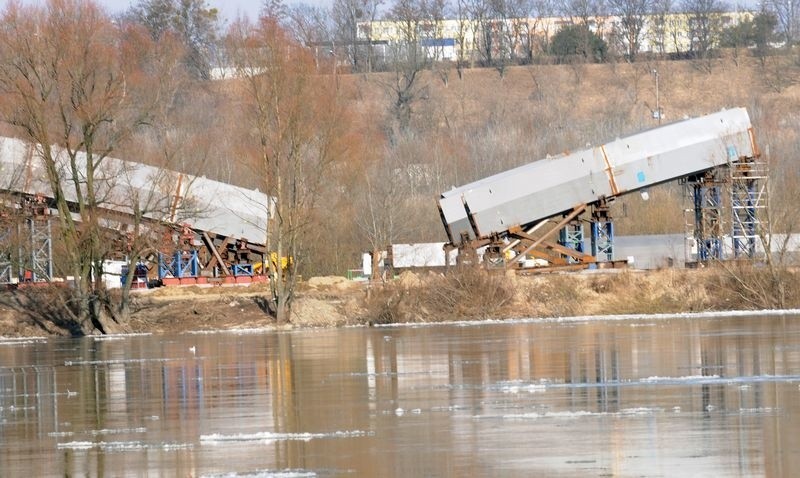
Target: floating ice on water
x=77, y=445
x=60, y=434
x=555, y=415
x=759, y=410
x=242, y=331
x=118, y=431
x=576, y=414
x=592, y=318
x=70, y=363
x=640, y=411
x=519, y=386
x=22, y=341
x=122, y=446
x=451, y=408
x=265, y=437
x=107, y=338
x=266, y=474
x=688, y=378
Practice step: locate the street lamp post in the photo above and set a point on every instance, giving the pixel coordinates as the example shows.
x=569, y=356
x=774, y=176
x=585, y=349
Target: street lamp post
x=657, y=113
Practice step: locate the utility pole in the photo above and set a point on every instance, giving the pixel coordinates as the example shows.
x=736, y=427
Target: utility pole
x=657, y=113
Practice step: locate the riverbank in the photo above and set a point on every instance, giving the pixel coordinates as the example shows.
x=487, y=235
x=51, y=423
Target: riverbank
x=432, y=297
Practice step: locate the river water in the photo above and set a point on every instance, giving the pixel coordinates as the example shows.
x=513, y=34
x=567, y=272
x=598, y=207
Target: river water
x=702, y=396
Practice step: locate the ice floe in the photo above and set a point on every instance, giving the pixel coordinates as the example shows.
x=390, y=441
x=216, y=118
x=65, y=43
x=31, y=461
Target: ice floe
x=266, y=437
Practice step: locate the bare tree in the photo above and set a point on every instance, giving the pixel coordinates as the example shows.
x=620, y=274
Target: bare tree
x=590, y=14
x=504, y=29
x=77, y=87
x=787, y=13
x=309, y=24
x=295, y=130
x=705, y=25
x=463, y=48
x=544, y=11
x=630, y=24
x=479, y=13
x=584, y=12
x=353, y=21
x=192, y=21
x=409, y=60
x=661, y=10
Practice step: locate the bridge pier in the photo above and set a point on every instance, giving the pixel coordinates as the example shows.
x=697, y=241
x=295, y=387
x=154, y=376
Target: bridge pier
x=728, y=215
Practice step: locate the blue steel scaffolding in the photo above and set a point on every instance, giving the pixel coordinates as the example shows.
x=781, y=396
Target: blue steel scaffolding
x=748, y=206
x=181, y=264
x=706, y=228
x=571, y=236
x=602, y=230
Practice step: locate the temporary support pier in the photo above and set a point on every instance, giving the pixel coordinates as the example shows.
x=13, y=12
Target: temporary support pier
x=728, y=211
x=518, y=215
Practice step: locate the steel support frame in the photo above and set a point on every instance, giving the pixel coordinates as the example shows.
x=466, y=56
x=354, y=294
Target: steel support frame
x=557, y=255
x=38, y=259
x=571, y=236
x=707, y=225
x=243, y=270
x=602, y=231
x=749, y=202
x=6, y=262
x=182, y=264
x=565, y=253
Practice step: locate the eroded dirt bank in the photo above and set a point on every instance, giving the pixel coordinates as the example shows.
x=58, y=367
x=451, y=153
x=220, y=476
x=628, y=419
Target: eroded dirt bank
x=462, y=295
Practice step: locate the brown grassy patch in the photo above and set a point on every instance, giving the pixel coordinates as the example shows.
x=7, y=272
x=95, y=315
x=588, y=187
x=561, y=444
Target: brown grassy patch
x=463, y=294
x=749, y=286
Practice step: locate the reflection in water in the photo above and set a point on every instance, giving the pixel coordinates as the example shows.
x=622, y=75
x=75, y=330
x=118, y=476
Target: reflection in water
x=646, y=398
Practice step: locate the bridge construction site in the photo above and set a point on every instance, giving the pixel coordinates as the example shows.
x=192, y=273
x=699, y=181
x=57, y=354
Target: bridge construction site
x=529, y=219
x=202, y=231
x=532, y=218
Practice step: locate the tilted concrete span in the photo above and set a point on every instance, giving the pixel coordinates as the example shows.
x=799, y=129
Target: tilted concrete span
x=165, y=196
x=526, y=195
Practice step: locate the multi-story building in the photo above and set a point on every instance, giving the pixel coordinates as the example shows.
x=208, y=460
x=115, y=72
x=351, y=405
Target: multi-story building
x=521, y=39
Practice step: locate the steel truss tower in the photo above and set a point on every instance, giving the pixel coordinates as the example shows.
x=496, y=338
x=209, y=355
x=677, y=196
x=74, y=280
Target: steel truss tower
x=748, y=180
x=37, y=261
x=706, y=194
x=729, y=199
x=26, y=246
x=602, y=233
x=571, y=236
x=6, y=240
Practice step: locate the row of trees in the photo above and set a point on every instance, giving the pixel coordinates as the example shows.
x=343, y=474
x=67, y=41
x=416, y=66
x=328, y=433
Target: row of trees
x=495, y=32
x=489, y=32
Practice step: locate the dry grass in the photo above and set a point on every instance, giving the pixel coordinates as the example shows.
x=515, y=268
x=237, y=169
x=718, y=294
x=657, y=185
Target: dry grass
x=749, y=286
x=462, y=294
x=469, y=295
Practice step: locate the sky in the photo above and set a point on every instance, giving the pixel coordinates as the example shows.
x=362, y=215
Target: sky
x=228, y=8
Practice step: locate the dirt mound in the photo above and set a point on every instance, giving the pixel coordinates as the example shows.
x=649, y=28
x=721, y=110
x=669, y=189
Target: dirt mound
x=325, y=281
x=408, y=280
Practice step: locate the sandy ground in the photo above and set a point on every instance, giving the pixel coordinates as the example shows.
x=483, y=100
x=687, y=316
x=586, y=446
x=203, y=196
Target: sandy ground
x=321, y=302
